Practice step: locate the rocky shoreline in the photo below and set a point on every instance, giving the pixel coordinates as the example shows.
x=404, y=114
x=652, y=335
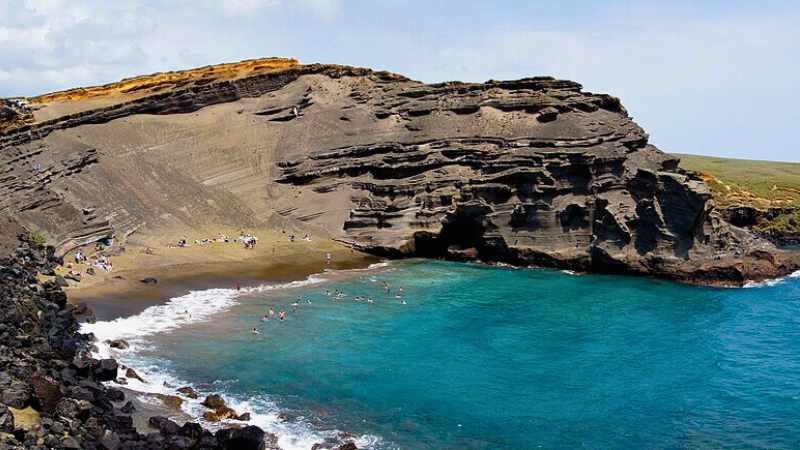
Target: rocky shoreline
x=51, y=389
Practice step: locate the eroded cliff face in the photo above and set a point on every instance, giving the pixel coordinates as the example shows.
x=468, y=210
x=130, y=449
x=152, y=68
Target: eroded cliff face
x=532, y=171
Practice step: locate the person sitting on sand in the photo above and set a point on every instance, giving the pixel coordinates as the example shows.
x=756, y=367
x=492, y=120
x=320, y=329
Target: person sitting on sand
x=255, y=331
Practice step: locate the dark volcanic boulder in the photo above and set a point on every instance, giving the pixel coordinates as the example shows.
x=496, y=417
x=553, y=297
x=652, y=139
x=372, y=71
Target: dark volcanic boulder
x=16, y=396
x=105, y=370
x=47, y=392
x=6, y=420
x=246, y=438
x=149, y=280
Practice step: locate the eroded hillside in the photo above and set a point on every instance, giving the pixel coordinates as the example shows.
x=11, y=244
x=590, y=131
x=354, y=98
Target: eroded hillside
x=532, y=171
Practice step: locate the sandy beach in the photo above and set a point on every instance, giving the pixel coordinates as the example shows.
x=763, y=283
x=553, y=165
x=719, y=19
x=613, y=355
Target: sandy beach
x=179, y=270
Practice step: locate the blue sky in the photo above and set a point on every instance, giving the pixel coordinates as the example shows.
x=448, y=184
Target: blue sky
x=706, y=77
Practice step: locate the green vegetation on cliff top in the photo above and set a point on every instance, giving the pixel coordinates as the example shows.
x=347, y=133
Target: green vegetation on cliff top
x=759, y=184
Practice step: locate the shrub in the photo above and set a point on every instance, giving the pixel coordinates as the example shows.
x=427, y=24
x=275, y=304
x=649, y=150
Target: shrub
x=37, y=239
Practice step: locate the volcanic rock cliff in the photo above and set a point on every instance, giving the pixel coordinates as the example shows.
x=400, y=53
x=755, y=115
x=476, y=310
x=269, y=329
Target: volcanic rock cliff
x=532, y=171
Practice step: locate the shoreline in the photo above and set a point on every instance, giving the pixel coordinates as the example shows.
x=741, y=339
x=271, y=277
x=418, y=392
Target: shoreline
x=156, y=393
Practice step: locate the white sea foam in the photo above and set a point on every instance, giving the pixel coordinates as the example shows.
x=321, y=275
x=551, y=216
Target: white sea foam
x=197, y=307
x=772, y=282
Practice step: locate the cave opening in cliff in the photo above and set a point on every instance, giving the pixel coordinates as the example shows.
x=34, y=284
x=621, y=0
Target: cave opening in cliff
x=462, y=237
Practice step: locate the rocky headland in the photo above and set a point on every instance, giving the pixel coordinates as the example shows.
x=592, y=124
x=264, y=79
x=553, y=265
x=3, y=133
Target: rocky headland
x=527, y=172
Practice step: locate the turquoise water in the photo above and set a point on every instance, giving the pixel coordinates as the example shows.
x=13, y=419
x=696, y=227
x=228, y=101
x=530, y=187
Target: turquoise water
x=491, y=357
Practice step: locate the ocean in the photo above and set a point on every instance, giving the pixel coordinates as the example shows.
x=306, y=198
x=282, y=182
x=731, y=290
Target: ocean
x=486, y=357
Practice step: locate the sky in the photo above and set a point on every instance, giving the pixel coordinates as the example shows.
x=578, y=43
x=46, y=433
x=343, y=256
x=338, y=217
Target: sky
x=706, y=77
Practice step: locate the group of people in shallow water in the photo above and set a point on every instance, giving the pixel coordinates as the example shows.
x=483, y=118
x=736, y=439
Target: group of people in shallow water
x=336, y=294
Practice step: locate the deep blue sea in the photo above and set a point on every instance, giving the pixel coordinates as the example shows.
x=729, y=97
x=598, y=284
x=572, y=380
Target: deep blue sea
x=491, y=357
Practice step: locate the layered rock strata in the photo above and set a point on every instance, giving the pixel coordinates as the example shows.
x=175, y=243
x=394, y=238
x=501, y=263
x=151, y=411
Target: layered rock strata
x=529, y=172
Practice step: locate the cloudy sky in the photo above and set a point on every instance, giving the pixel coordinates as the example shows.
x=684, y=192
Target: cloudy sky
x=707, y=77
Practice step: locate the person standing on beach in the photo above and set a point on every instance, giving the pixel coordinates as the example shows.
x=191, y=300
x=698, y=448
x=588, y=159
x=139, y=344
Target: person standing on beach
x=329, y=258
x=238, y=287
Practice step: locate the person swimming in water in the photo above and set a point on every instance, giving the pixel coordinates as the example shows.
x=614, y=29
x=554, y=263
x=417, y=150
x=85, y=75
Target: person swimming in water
x=328, y=293
x=238, y=287
x=370, y=300
x=402, y=302
x=397, y=296
x=295, y=308
x=282, y=315
x=272, y=311
x=308, y=302
x=255, y=331
x=265, y=318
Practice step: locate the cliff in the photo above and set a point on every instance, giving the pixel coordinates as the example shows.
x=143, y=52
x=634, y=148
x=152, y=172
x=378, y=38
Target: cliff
x=532, y=171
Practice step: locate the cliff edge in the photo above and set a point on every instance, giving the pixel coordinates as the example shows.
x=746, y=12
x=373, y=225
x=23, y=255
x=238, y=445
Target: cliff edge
x=528, y=172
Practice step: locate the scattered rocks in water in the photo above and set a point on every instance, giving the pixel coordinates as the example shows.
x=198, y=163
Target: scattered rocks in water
x=171, y=401
x=244, y=417
x=149, y=280
x=130, y=373
x=79, y=309
x=286, y=417
x=120, y=344
x=115, y=395
x=188, y=391
x=128, y=407
x=214, y=401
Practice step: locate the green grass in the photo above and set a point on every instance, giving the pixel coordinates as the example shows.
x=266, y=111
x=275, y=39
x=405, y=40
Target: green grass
x=758, y=184
x=743, y=182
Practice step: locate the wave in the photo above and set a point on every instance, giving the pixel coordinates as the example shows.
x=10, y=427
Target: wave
x=195, y=307
x=771, y=282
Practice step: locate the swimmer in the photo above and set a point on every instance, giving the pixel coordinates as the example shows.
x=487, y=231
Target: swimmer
x=295, y=308
x=328, y=293
x=255, y=331
x=402, y=302
x=370, y=300
x=401, y=289
x=265, y=319
x=397, y=296
x=272, y=311
x=308, y=302
x=238, y=287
